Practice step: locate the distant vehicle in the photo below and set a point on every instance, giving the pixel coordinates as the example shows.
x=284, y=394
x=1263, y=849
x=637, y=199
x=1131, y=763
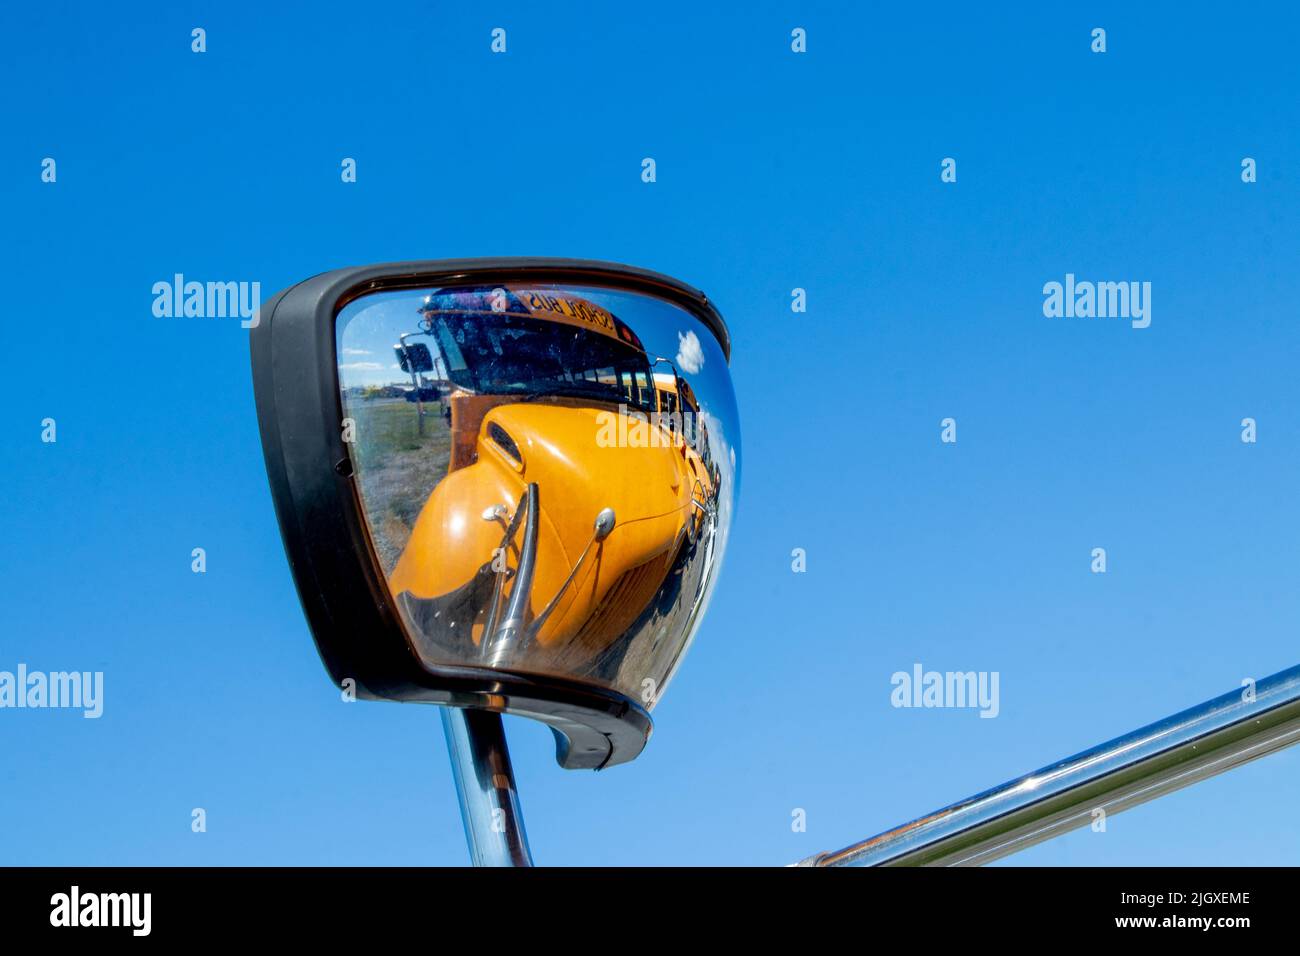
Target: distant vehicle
x=425, y=393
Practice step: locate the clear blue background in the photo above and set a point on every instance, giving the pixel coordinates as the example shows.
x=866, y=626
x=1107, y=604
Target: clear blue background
x=775, y=170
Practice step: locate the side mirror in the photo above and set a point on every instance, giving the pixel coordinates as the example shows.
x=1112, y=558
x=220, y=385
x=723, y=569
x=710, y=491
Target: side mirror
x=414, y=358
x=548, y=544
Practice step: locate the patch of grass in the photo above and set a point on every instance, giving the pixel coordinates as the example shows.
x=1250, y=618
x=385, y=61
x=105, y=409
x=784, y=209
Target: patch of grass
x=397, y=467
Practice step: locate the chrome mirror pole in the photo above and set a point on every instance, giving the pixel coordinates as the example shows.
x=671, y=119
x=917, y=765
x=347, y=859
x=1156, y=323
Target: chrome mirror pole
x=485, y=787
x=1202, y=741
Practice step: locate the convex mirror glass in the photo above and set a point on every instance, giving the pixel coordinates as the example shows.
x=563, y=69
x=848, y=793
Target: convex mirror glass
x=547, y=474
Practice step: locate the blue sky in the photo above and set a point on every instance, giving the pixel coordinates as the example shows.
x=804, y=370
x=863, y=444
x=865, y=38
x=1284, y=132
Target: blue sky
x=774, y=171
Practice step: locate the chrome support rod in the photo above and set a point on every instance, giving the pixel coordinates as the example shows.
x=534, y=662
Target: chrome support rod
x=485, y=785
x=1157, y=759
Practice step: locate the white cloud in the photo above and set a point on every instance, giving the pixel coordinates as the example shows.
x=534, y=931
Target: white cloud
x=356, y=351
x=361, y=366
x=690, y=355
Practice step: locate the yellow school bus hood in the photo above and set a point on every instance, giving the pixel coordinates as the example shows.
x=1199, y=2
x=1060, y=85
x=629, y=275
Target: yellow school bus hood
x=572, y=453
x=580, y=454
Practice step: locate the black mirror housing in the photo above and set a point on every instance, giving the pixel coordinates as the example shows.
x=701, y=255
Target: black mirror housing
x=356, y=623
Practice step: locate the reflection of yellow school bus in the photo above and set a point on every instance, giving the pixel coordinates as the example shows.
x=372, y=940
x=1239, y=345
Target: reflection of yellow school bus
x=679, y=411
x=508, y=559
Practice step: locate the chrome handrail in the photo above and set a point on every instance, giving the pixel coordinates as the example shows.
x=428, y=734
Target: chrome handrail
x=1182, y=749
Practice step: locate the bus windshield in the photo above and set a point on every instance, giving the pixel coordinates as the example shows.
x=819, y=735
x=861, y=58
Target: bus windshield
x=508, y=354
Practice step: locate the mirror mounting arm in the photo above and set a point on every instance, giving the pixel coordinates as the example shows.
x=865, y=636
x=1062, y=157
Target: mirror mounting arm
x=485, y=788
